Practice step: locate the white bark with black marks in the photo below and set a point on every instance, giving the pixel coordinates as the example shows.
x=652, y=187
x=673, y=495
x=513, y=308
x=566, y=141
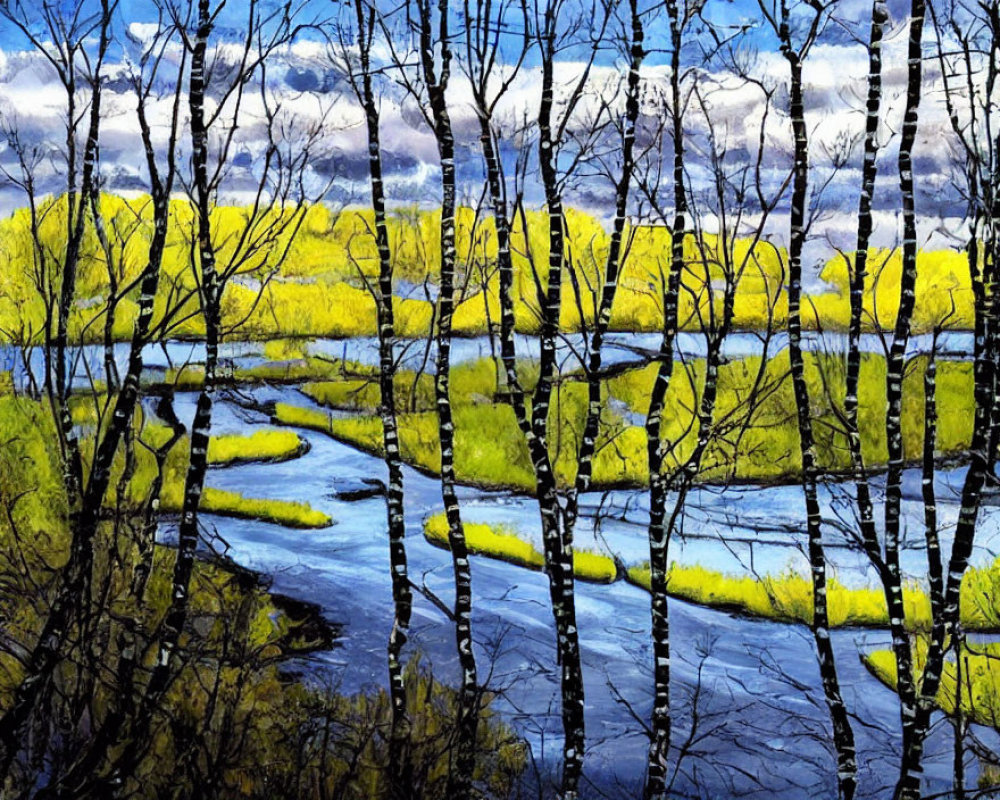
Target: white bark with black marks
x=435, y=78
x=843, y=735
x=659, y=746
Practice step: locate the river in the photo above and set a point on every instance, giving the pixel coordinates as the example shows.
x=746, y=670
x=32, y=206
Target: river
x=748, y=710
x=761, y=717
x=619, y=348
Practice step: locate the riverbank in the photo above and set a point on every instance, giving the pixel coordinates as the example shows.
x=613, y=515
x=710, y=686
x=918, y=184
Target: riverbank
x=236, y=688
x=785, y=598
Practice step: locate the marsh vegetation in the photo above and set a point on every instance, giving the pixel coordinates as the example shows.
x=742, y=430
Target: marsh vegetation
x=610, y=470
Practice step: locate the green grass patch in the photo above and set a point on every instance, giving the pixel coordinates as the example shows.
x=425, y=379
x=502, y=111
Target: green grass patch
x=355, y=387
x=500, y=463
x=594, y=567
x=487, y=454
x=232, y=504
x=783, y=598
x=979, y=695
x=349, y=394
x=226, y=450
x=311, y=418
x=285, y=349
x=240, y=634
x=788, y=597
x=297, y=370
x=761, y=446
x=486, y=540
x=767, y=448
x=230, y=449
x=490, y=451
x=317, y=291
x=503, y=543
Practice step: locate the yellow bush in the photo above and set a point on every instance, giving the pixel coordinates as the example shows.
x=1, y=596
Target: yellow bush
x=319, y=289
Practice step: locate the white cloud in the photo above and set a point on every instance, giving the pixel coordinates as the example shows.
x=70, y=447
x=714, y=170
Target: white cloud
x=314, y=91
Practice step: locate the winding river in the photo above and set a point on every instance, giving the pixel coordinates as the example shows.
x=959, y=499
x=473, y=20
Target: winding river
x=749, y=716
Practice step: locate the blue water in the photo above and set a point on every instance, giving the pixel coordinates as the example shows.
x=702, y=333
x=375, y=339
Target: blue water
x=762, y=722
x=619, y=348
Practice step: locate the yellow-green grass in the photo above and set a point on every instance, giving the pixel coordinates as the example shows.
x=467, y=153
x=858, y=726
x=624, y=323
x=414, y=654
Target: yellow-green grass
x=32, y=491
x=331, y=381
x=496, y=464
x=759, y=448
x=979, y=700
x=30, y=469
x=768, y=447
x=31, y=487
x=229, y=449
x=298, y=370
x=352, y=386
x=214, y=501
x=218, y=501
x=300, y=417
x=783, y=598
x=502, y=542
x=490, y=450
x=229, y=612
x=286, y=349
x=224, y=450
x=232, y=504
x=363, y=393
x=493, y=541
x=356, y=388
x=594, y=567
x=788, y=597
x=486, y=454
x=317, y=291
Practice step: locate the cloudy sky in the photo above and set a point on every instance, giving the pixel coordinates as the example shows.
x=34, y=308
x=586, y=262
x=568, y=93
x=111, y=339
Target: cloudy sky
x=311, y=87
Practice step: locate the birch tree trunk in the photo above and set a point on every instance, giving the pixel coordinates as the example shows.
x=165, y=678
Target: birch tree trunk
x=612, y=270
x=935, y=570
x=76, y=220
x=201, y=427
x=983, y=182
x=894, y=380
x=71, y=599
x=887, y=565
x=659, y=747
x=435, y=77
x=843, y=734
x=869, y=169
x=558, y=551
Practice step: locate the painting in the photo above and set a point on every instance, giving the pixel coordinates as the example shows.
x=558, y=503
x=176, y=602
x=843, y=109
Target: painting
x=500, y=399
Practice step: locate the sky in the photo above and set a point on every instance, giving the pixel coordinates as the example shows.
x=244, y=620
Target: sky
x=312, y=87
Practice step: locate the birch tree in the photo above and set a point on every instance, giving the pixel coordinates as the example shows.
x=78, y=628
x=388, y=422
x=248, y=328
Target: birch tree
x=435, y=47
x=61, y=35
x=363, y=75
x=884, y=556
x=967, y=40
x=259, y=246
x=659, y=748
x=710, y=270
x=554, y=30
x=779, y=17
